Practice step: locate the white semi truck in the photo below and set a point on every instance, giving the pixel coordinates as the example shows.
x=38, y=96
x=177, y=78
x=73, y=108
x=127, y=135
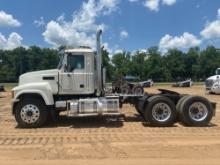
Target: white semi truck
x=212, y=84
x=77, y=86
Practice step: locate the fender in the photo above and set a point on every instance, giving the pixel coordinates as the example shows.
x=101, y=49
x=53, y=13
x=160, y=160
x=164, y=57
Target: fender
x=42, y=88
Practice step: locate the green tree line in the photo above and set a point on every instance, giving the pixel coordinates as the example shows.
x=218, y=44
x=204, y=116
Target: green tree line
x=173, y=65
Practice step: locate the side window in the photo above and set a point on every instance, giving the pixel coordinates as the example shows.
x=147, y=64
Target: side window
x=75, y=62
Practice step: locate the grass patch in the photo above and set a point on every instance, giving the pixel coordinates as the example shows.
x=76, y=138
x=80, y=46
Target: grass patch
x=9, y=86
x=171, y=83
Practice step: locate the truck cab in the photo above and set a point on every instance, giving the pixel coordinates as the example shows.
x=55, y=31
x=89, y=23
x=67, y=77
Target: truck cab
x=74, y=76
x=212, y=84
x=217, y=72
x=76, y=72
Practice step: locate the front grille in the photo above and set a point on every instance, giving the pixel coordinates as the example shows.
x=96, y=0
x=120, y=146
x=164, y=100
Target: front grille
x=209, y=83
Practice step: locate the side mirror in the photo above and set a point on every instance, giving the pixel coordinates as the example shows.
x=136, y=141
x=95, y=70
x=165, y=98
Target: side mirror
x=68, y=68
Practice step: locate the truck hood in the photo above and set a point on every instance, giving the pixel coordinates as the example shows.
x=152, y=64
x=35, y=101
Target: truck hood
x=213, y=77
x=39, y=76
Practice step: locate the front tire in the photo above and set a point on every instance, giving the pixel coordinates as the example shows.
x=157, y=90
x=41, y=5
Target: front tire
x=31, y=113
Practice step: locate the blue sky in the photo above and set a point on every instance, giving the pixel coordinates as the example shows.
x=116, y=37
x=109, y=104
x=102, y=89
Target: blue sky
x=128, y=24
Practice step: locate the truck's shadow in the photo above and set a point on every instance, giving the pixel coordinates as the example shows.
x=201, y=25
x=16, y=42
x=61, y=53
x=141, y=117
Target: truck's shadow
x=86, y=122
x=101, y=121
x=94, y=122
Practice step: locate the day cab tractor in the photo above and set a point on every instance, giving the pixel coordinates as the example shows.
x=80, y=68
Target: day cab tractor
x=77, y=87
x=212, y=84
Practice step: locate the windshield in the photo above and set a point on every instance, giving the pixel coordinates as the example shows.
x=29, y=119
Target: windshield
x=61, y=61
x=218, y=71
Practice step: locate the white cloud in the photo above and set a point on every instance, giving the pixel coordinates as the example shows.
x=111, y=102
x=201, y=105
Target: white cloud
x=7, y=20
x=61, y=18
x=14, y=40
x=79, y=31
x=187, y=40
x=106, y=47
x=152, y=4
x=40, y=22
x=169, y=2
x=212, y=29
x=123, y=34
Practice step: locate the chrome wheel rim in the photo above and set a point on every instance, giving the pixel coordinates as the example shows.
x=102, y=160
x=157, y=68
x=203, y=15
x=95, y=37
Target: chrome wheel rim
x=124, y=90
x=161, y=112
x=138, y=91
x=30, y=113
x=198, y=111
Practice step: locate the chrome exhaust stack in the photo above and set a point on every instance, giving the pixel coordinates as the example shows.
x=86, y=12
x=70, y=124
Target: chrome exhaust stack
x=99, y=64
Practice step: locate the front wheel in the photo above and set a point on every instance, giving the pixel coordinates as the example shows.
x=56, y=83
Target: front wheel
x=31, y=113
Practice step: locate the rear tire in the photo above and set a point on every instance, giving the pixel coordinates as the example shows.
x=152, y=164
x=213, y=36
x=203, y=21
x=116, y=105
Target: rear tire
x=138, y=90
x=179, y=103
x=160, y=111
x=31, y=113
x=195, y=111
x=125, y=89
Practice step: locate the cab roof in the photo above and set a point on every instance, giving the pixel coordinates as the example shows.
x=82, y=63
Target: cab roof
x=79, y=50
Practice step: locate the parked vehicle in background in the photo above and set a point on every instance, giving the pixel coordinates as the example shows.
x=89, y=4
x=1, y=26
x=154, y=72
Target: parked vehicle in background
x=128, y=85
x=2, y=89
x=212, y=83
x=186, y=83
x=147, y=84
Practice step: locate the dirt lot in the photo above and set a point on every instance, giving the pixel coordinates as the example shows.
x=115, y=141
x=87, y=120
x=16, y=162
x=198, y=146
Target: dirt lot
x=108, y=140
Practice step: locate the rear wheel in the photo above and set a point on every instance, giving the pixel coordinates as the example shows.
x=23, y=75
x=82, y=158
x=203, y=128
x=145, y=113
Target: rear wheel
x=125, y=89
x=160, y=112
x=196, y=111
x=178, y=106
x=31, y=113
x=180, y=102
x=138, y=90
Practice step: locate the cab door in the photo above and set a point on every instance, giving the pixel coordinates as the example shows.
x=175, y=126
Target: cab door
x=72, y=78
